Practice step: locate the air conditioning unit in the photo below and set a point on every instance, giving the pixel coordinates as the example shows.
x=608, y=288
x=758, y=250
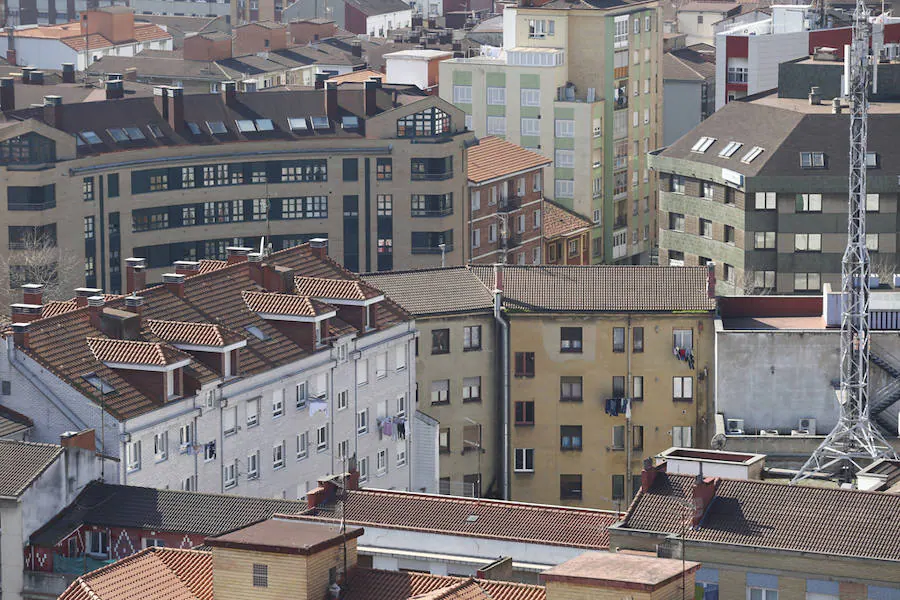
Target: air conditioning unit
x=768, y=432
x=734, y=426
x=808, y=424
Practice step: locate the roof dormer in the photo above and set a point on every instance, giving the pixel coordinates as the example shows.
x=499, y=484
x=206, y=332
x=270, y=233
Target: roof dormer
x=301, y=318
x=213, y=345
x=354, y=299
x=154, y=368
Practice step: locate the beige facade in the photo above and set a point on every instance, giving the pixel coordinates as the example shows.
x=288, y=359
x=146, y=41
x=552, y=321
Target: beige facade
x=581, y=86
x=170, y=202
x=579, y=453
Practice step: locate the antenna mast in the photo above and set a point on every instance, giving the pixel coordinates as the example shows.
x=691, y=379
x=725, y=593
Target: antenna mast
x=855, y=438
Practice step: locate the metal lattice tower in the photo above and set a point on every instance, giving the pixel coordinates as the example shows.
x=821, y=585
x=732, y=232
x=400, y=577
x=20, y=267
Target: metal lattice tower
x=855, y=439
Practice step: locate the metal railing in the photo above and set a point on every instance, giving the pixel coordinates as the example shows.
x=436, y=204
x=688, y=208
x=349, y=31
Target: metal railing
x=435, y=176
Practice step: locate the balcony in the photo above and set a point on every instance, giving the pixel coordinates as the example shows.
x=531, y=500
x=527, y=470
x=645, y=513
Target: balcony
x=432, y=176
x=443, y=212
x=510, y=240
x=12, y=205
x=509, y=204
x=431, y=249
x=620, y=222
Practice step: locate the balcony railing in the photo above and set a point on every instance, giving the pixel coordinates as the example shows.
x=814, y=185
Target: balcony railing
x=432, y=176
x=31, y=205
x=431, y=249
x=509, y=204
x=620, y=222
x=444, y=212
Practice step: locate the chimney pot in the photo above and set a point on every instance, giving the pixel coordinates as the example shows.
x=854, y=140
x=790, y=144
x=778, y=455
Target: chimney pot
x=68, y=72
x=20, y=334
x=115, y=89
x=7, y=94
x=53, y=111
x=135, y=274
x=174, y=282
x=186, y=267
x=229, y=92
x=319, y=247
x=95, y=311
x=836, y=106
x=134, y=304
x=82, y=295
x=237, y=254
x=32, y=293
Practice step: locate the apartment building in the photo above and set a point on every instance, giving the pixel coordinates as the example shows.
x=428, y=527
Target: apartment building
x=760, y=189
x=253, y=377
x=183, y=177
x=581, y=84
x=762, y=539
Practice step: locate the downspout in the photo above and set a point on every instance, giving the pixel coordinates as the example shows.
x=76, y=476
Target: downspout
x=503, y=347
x=629, y=383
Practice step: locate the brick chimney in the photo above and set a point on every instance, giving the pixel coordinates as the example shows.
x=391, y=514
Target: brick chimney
x=229, y=92
x=711, y=279
x=176, y=109
x=7, y=94
x=68, y=72
x=703, y=494
x=25, y=313
x=135, y=274
x=174, y=282
x=86, y=440
x=11, y=57
x=257, y=268
x=20, y=335
x=319, y=247
x=134, y=304
x=370, y=91
x=161, y=100
x=186, y=267
x=33, y=293
x=331, y=100
x=82, y=295
x=237, y=254
x=53, y=111
x=648, y=475
x=95, y=310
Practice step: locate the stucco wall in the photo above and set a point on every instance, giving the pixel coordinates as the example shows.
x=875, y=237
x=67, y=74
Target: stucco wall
x=681, y=110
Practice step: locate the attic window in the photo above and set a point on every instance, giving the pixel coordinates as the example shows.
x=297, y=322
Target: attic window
x=350, y=122
x=812, y=160
x=703, y=144
x=135, y=134
x=99, y=384
x=871, y=160
x=117, y=134
x=298, y=124
x=90, y=137
x=194, y=128
x=471, y=518
x=754, y=152
x=729, y=150
x=245, y=125
x=216, y=127
x=155, y=131
x=257, y=332
x=320, y=122
x=265, y=125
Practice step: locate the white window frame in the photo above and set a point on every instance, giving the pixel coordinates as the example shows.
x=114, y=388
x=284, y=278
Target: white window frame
x=363, y=468
x=462, y=94
x=381, y=462
x=873, y=202
x=302, y=394
x=362, y=422
x=252, y=412
x=565, y=159
x=277, y=403
x=362, y=371
x=343, y=399
x=278, y=456
x=496, y=96
x=765, y=201
x=564, y=128
x=679, y=433
x=805, y=279
x=229, y=474
x=530, y=126
x=322, y=438
x=683, y=387
x=302, y=445
x=476, y=200
x=565, y=188
x=530, y=96
x=133, y=456
x=381, y=370
x=253, y=465
x=496, y=125
x=185, y=438
x=810, y=203
x=524, y=460
x=401, y=454
x=161, y=446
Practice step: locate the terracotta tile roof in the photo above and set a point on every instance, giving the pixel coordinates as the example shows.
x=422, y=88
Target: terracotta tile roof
x=601, y=288
x=173, y=511
x=761, y=514
x=494, y=158
x=12, y=422
x=371, y=584
x=152, y=573
x=135, y=353
x=286, y=304
x=434, y=291
x=335, y=289
x=57, y=307
x=201, y=334
x=207, y=265
x=560, y=221
x=23, y=462
x=357, y=76
x=551, y=525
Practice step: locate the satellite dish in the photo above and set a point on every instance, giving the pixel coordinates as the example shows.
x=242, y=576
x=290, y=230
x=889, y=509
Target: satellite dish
x=718, y=441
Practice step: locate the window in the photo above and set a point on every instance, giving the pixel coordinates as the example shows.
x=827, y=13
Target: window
x=87, y=189
x=565, y=128
x=362, y=371
x=618, y=487
x=682, y=437
x=277, y=403
x=302, y=445
x=302, y=395
x=530, y=126
x=751, y=155
x=133, y=456
x=637, y=340
x=618, y=437
x=260, y=575
x=536, y=187
x=384, y=169
x=363, y=468
x=729, y=234
x=703, y=144
x=808, y=242
x=565, y=159
x=152, y=543
x=570, y=389
x=565, y=188
x=98, y=543
x=708, y=190
x=676, y=184
x=381, y=462
x=440, y=341
x=253, y=465
x=492, y=233
x=524, y=412
x=444, y=440
x=618, y=339
x=648, y=23
x=185, y=438
x=229, y=473
x=683, y=338
x=496, y=125
x=570, y=339
x=89, y=228
x=706, y=228
x=809, y=202
x=817, y=589
x=322, y=438
x=570, y=437
x=738, y=74
x=758, y=593
x=872, y=242
x=676, y=221
x=618, y=386
x=400, y=358
x=872, y=202
x=401, y=454
x=530, y=97
x=812, y=160
x=278, y=455
x=472, y=337
x=343, y=450
x=729, y=149
x=440, y=391
x=343, y=399
x=430, y=122
x=676, y=258
x=524, y=364
x=524, y=460
x=381, y=365
x=807, y=282
x=541, y=28
x=764, y=280
x=729, y=273
x=472, y=389
x=362, y=422
x=496, y=96
x=570, y=487
x=764, y=240
x=462, y=94
x=682, y=388
x=637, y=387
x=161, y=446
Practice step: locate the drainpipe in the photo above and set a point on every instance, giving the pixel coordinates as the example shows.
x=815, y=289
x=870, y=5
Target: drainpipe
x=503, y=347
x=629, y=442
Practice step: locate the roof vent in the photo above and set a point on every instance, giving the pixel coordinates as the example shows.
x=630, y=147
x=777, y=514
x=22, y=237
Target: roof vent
x=815, y=98
x=173, y=278
x=836, y=106
x=134, y=301
x=96, y=301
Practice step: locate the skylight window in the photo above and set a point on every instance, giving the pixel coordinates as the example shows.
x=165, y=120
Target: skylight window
x=245, y=125
x=298, y=124
x=729, y=150
x=265, y=125
x=257, y=332
x=135, y=134
x=320, y=122
x=79, y=142
x=99, y=384
x=703, y=144
x=118, y=134
x=155, y=131
x=812, y=160
x=871, y=160
x=216, y=127
x=195, y=129
x=754, y=152
x=90, y=137
x=350, y=122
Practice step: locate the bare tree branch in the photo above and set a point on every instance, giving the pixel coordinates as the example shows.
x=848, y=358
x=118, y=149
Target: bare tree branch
x=36, y=258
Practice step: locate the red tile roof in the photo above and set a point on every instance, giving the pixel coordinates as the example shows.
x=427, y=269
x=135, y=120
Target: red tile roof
x=760, y=514
x=286, y=304
x=495, y=158
x=560, y=221
x=370, y=584
x=57, y=307
x=134, y=352
x=201, y=334
x=335, y=289
x=468, y=589
x=552, y=525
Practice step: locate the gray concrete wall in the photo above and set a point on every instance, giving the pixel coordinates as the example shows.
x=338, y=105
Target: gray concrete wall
x=795, y=79
x=682, y=108
x=305, y=9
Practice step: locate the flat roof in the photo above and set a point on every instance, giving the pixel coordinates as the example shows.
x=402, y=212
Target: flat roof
x=786, y=323
x=802, y=105
x=421, y=54
x=285, y=536
x=742, y=458
x=619, y=570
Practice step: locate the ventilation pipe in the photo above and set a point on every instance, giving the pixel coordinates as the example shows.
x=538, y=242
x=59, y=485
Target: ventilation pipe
x=504, y=376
